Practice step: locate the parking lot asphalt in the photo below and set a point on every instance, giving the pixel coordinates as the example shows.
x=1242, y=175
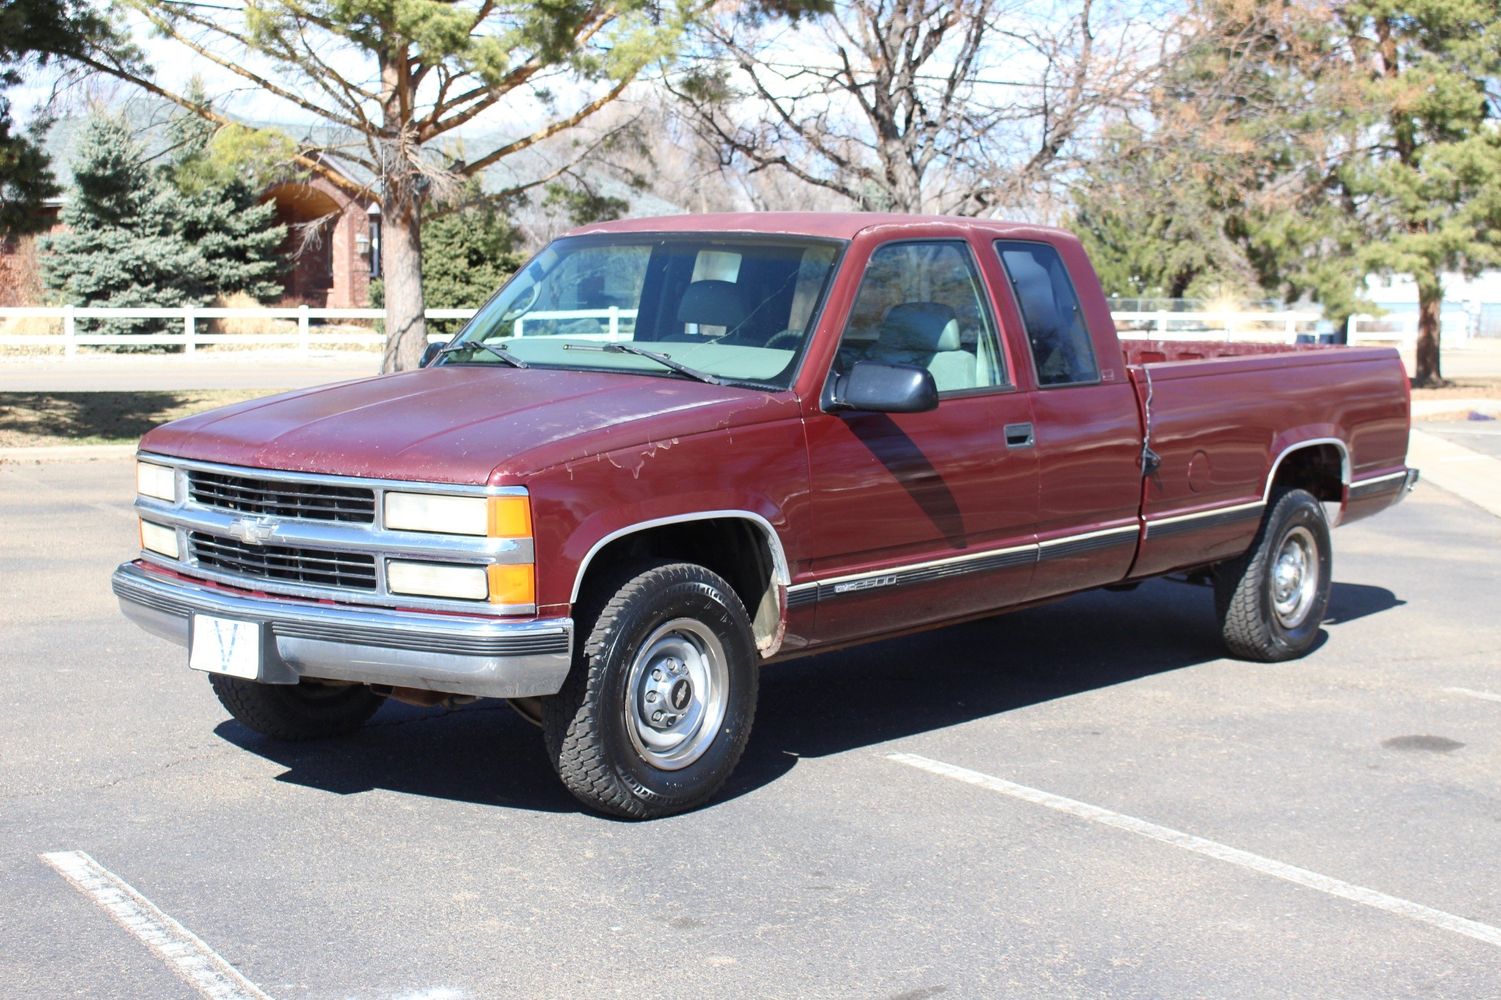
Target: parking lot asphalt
x=434, y=855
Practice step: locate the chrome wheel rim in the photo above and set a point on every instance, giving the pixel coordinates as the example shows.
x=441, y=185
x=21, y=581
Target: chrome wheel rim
x=1295, y=577
x=676, y=694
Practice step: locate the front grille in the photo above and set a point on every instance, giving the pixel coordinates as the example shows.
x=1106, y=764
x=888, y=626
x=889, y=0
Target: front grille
x=313, y=567
x=281, y=498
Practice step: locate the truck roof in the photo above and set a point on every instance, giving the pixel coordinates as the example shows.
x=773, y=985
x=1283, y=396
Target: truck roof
x=835, y=225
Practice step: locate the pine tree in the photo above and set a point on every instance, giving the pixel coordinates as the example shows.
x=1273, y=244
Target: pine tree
x=35, y=33
x=1232, y=185
x=121, y=247
x=1332, y=142
x=219, y=214
x=136, y=238
x=1431, y=179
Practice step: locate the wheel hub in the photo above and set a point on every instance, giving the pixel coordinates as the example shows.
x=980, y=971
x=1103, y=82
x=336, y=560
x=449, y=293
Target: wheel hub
x=666, y=693
x=1295, y=577
x=676, y=694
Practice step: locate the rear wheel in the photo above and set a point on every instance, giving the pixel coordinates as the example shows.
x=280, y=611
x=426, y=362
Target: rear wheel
x=1272, y=599
x=656, y=711
x=310, y=710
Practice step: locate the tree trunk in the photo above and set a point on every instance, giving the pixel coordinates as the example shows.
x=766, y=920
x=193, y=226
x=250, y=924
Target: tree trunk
x=1430, y=306
x=401, y=264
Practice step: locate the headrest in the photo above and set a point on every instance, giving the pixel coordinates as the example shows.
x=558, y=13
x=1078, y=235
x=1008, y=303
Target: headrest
x=1034, y=293
x=920, y=326
x=713, y=303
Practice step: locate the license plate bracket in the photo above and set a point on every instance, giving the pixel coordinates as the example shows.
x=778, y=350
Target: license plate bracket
x=228, y=646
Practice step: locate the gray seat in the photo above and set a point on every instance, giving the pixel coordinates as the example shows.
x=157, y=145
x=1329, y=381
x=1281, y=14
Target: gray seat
x=926, y=334
x=711, y=303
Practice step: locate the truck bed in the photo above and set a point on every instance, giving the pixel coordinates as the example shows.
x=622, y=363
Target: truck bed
x=1221, y=416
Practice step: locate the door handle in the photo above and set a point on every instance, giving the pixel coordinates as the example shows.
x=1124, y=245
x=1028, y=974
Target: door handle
x=1019, y=436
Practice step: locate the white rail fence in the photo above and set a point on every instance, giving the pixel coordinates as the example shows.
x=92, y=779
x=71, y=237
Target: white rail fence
x=336, y=328
x=323, y=327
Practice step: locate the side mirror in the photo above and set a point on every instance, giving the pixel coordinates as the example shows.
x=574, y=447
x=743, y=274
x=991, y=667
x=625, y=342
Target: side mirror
x=883, y=388
x=429, y=354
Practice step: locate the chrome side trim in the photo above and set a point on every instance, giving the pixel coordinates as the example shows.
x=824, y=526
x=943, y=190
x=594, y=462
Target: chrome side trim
x=1012, y=555
x=801, y=594
x=1089, y=541
x=1344, y=463
x=941, y=569
x=1362, y=488
x=780, y=574
x=485, y=657
x=985, y=561
x=1215, y=517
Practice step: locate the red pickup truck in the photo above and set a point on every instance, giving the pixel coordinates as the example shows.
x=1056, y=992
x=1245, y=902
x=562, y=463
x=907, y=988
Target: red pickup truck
x=670, y=450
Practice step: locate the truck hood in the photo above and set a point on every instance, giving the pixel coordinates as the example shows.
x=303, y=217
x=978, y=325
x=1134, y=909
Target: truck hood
x=461, y=424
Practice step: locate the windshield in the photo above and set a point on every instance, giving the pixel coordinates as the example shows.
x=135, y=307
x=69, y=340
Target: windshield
x=737, y=309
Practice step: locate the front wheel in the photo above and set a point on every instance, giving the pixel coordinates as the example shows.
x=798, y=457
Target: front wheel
x=296, y=712
x=659, y=703
x=1272, y=599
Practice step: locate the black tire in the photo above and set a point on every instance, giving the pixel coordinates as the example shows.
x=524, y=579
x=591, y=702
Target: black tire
x=297, y=712
x=1269, y=613
x=671, y=622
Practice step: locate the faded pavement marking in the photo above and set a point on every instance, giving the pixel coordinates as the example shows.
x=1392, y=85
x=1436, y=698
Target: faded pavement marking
x=1209, y=848
x=193, y=961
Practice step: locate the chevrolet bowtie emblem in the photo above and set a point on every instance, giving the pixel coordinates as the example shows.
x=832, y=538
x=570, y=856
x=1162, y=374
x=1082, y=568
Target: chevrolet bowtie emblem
x=254, y=530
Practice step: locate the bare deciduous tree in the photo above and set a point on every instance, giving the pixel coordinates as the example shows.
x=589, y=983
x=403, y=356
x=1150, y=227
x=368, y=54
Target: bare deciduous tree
x=918, y=105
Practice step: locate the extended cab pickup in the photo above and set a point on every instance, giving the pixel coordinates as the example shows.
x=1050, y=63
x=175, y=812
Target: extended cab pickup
x=670, y=450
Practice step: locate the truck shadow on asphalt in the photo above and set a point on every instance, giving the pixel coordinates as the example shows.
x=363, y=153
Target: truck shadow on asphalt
x=815, y=707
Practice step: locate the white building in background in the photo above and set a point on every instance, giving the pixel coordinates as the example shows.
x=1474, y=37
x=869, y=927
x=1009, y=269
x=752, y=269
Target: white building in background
x=1472, y=306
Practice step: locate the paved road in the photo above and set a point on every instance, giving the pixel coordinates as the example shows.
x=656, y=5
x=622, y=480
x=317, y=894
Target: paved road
x=433, y=855
x=163, y=372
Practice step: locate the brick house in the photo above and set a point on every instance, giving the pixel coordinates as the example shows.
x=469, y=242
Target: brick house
x=332, y=249
x=331, y=253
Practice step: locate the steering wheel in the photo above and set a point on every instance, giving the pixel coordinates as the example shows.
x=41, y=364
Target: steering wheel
x=788, y=334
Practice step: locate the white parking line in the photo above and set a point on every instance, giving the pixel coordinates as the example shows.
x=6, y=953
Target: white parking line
x=186, y=955
x=1209, y=848
x=1470, y=692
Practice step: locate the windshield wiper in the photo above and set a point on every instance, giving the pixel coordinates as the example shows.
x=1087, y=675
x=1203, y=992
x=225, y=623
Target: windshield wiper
x=662, y=359
x=495, y=349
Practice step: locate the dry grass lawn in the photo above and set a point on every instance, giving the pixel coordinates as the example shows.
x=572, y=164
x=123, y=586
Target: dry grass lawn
x=34, y=419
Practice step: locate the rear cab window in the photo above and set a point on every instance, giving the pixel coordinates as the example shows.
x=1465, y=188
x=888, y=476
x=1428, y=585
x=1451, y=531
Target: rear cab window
x=1062, y=350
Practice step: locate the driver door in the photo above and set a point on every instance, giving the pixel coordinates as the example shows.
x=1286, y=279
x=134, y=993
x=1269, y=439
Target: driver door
x=922, y=517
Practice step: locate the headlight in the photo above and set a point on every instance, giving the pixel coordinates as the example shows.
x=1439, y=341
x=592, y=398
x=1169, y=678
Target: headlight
x=436, y=513
x=498, y=517
x=157, y=481
x=159, y=539
x=466, y=583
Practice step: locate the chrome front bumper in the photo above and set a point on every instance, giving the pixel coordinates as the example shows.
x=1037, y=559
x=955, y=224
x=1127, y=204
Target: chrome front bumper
x=434, y=652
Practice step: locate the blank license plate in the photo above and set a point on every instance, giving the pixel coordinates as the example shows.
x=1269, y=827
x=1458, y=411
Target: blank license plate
x=226, y=646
